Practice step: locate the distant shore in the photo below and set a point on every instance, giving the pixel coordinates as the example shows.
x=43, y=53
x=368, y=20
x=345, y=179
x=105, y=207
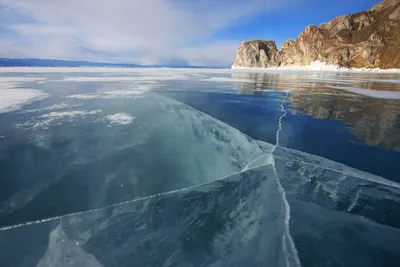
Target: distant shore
x=318, y=66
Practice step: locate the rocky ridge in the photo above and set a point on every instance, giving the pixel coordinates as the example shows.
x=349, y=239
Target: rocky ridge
x=367, y=39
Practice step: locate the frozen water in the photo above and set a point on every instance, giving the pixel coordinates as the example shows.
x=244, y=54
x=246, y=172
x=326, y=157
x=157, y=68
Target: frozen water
x=243, y=215
x=199, y=149
x=52, y=107
x=224, y=79
x=369, y=92
x=120, y=118
x=15, y=99
x=134, y=178
x=250, y=230
x=46, y=120
x=64, y=252
x=133, y=93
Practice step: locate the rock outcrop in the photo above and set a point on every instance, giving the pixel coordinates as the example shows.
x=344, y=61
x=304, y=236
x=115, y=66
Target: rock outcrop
x=368, y=39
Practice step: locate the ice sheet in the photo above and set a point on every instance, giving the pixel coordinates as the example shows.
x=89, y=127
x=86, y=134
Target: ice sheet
x=120, y=118
x=52, y=107
x=369, y=92
x=15, y=99
x=49, y=118
x=226, y=79
x=191, y=190
x=134, y=93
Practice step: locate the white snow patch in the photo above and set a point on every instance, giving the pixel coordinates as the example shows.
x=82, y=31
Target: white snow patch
x=134, y=93
x=18, y=79
x=44, y=120
x=122, y=93
x=85, y=96
x=317, y=66
x=52, y=107
x=109, y=95
x=120, y=118
x=15, y=99
x=69, y=114
x=98, y=79
x=369, y=92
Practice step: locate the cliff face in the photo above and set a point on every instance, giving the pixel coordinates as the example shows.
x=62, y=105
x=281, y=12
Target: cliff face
x=368, y=39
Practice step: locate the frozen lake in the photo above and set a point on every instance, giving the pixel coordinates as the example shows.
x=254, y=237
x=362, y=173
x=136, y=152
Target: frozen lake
x=199, y=167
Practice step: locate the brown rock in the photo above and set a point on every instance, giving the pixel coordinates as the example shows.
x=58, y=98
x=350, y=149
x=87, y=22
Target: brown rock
x=368, y=39
x=256, y=54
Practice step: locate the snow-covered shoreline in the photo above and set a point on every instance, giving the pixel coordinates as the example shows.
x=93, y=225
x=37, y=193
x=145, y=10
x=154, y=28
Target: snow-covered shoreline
x=317, y=66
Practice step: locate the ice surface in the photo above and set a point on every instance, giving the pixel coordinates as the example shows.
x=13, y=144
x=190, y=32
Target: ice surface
x=120, y=118
x=369, y=92
x=247, y=226
x=19, y=79
x=169, y=146
x=133, y=93
x=15, y=99
x=335, y=186
x=87, y=96
x=68, y=114
x=52, y=107
x=46, y=120
x=98, y=79
x=186, y=189
x=225, y=79
x=243, y=215
x=64, y=252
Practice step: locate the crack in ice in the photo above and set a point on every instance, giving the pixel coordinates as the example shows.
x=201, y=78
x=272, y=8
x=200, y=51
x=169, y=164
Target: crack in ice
x=282, y=191
x=354, y=202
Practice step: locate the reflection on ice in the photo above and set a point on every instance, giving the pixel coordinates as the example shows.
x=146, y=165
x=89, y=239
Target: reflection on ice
x=187, y=215
x=370, y=93
x=149, y=181
x=170, y=146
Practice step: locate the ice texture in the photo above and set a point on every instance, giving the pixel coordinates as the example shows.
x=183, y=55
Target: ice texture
x=239, y=219
x=369, y=92
x=169, y=146
x=15, y=99
x=246, y=226
x=112, y=94
x=48, y=119
x=120, y=118
x=181, y=188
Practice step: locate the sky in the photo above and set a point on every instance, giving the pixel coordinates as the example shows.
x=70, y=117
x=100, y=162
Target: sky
x=191, y=32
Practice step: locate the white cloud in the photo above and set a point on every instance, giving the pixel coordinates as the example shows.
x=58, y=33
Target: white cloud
x=141, y=31
x=41, y=30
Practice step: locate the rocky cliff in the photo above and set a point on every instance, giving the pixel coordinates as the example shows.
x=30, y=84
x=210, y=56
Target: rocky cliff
x=368, y=39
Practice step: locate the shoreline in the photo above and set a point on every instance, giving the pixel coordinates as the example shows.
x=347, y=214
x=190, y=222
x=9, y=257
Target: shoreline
x=317, y=66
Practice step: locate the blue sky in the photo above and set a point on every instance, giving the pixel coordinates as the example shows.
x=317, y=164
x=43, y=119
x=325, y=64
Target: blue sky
x=195, y=32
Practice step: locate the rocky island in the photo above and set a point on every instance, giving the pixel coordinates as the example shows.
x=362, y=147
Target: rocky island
x=368, y=39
